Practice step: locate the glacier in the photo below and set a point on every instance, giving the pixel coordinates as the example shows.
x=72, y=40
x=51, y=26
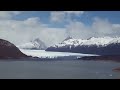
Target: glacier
x=50, y=54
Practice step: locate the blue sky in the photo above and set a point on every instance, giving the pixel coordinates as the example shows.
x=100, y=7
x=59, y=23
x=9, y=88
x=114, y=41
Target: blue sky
x=86, y=18
x=54, y=26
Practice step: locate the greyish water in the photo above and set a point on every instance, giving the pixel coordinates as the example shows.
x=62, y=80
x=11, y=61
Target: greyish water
x=65, y=69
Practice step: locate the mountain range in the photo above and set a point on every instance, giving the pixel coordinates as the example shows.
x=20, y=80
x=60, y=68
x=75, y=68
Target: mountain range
x=92, y=45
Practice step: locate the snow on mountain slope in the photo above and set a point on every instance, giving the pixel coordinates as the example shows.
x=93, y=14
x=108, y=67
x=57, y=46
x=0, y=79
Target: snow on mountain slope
x=103, y=41
x=99, y=46
x=34, y=44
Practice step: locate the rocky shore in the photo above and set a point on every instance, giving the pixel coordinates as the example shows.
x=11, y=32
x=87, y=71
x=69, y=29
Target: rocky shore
x=10, y=51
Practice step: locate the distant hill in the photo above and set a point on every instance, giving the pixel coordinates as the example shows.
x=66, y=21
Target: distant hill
x=9, y=50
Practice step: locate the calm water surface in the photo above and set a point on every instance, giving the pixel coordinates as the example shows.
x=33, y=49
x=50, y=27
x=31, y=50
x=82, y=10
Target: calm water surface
x=68, y=69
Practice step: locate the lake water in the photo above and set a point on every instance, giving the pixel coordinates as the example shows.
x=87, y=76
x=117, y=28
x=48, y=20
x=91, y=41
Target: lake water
x=65, y=69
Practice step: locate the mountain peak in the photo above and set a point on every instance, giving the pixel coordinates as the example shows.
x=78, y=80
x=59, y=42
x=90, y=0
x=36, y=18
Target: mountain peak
x=90, y=38
x=36, y=40
x=69, y=37
x=93, y=45
x=34, y=44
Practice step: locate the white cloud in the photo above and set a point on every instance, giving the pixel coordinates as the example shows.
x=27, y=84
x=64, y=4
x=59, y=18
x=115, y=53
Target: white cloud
x=102, y=27
x=8, y=14
x=78, y=30
x=116, y=26
x=99, y=28
x=75, y=12
x=21, y=31
x=57, y=16
x=60, y=16
x=52, y=36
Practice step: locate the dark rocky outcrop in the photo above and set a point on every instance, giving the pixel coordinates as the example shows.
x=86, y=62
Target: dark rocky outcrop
x=9, y=50
x=116, y=69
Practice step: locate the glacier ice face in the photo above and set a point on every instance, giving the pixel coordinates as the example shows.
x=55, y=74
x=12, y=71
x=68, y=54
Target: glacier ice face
x=48, y=54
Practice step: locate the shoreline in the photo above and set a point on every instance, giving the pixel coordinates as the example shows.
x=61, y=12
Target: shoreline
x=112, y=58
x=115, y=58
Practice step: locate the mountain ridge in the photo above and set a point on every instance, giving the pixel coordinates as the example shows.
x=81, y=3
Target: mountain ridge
x=93, y=45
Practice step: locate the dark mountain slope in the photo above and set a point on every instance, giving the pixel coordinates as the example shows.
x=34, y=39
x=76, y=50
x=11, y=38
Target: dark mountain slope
x=9, y=50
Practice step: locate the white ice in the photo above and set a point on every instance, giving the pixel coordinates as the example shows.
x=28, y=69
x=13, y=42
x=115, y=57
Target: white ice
x=43, y=53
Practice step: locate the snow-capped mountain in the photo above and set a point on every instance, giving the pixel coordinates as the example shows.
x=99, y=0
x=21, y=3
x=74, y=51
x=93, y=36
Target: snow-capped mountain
x=102, y=45
x=34, y=44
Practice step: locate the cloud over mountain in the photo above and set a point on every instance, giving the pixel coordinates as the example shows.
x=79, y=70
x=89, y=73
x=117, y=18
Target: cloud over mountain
x=22, y=31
